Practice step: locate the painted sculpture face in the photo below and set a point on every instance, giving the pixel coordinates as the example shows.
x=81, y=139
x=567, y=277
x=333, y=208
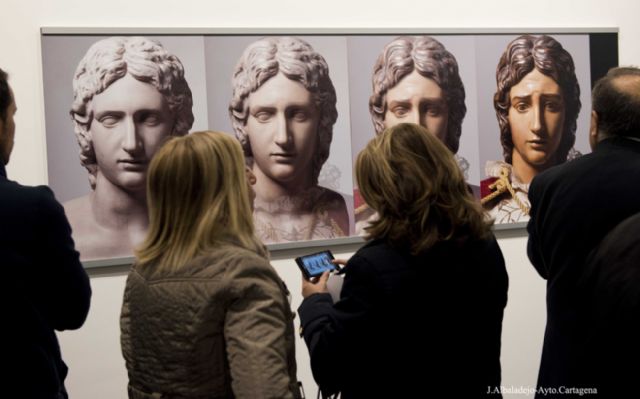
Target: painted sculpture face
x=131, y=121
x=282, y=130
x=536, y=117
x=419, y=100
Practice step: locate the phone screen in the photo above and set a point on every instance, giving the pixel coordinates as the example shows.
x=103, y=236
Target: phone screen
x=316, y=264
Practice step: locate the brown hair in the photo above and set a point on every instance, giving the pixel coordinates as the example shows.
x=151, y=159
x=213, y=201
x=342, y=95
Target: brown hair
x=414, y=183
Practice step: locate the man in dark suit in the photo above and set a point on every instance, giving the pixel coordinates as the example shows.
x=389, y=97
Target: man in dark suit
x=573, y=206
x=45, y=287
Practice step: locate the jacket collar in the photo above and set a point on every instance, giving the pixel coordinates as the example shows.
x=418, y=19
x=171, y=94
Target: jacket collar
x=3, y=171
x=619, y=141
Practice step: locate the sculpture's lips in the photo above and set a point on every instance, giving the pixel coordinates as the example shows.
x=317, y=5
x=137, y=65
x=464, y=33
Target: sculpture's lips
x=133, y=164
x=283, y=157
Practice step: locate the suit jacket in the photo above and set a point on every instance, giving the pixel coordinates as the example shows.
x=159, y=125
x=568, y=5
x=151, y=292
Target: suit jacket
x=45, y=288
x=572, y=207
x=411, y=326
x=611, y=284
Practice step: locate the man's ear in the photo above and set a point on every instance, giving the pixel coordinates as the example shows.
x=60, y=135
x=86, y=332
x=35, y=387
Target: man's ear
x=2, y=132
x=3, y=142
x=593, y=130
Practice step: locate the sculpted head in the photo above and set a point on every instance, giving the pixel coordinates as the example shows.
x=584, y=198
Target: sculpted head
x=306, y=102
x=142, y=61
x=537, y=96
x=416, y=80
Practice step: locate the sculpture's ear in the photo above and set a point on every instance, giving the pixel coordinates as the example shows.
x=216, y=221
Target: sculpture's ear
x=593, y=130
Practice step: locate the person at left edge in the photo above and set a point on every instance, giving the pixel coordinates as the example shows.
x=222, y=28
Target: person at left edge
x=45, y=287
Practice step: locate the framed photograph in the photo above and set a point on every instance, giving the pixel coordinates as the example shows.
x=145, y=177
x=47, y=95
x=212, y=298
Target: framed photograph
x=508, y=103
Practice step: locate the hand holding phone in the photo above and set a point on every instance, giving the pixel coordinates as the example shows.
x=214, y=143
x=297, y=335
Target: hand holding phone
x=313, y=265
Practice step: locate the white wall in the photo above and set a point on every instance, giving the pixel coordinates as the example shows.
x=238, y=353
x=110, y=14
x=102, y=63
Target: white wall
x=93, y=352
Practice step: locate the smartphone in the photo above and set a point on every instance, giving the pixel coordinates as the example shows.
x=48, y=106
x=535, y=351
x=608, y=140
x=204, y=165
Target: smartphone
x=313, y=265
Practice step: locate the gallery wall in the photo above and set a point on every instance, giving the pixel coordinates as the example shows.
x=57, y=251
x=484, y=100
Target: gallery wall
x=93, y=352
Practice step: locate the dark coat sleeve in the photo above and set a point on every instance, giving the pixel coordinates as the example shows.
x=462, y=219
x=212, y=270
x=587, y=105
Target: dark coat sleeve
x=489, y=330
x=331, y=331
x=536, y=213
x=64, y=290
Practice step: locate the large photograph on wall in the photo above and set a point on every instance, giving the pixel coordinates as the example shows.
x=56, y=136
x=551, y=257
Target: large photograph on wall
x=303, y=104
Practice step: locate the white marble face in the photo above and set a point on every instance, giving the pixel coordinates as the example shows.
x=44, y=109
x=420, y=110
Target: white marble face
x=131, y=119
x=282, y=128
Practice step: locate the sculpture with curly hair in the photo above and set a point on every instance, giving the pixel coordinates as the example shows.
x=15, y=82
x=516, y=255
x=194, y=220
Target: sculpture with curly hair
x=427, y=57
x=537, y=104
x=416, y=80
x=130, y=93
x=283, y=109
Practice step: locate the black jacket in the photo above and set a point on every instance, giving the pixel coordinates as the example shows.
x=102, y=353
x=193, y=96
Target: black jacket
x=411, y=326
x=611, y=284
x=45, y=289
x=573, y=206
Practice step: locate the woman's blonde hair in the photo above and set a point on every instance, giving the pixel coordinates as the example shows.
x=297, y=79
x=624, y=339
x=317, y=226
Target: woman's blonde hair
x=198, y=196
x=414, y=183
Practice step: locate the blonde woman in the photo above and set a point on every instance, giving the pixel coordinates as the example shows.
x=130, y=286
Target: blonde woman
x=205, y=315
x=432, y=261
